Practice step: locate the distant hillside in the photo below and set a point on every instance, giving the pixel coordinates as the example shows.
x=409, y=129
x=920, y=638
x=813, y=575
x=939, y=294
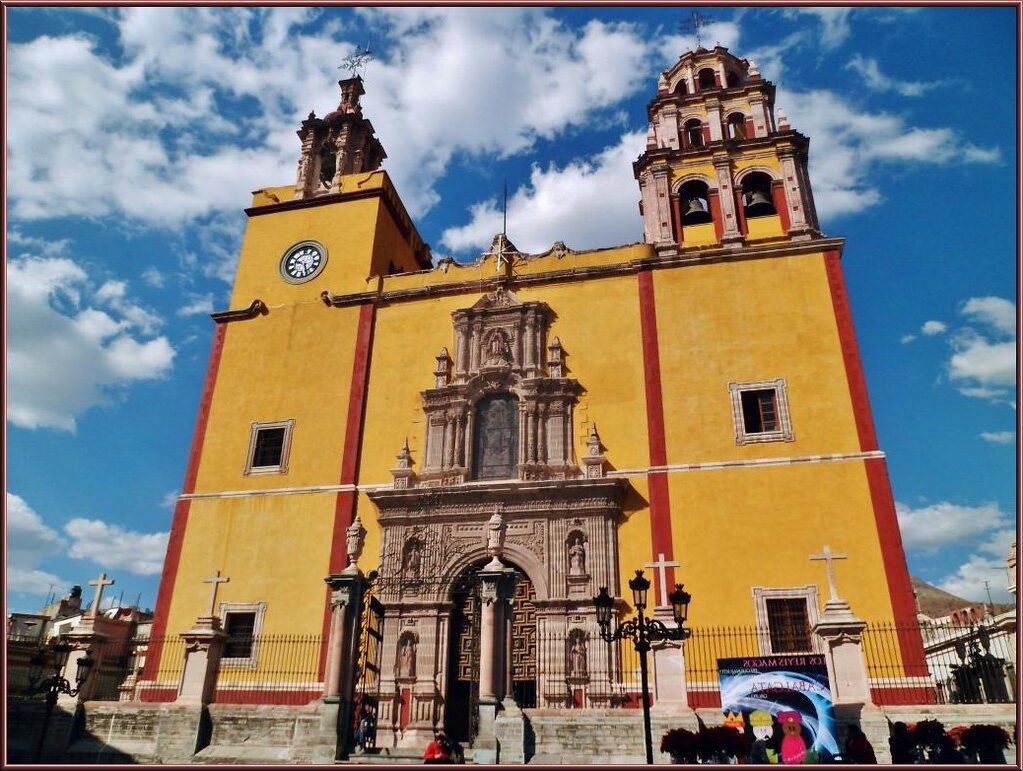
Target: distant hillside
x=935, y=602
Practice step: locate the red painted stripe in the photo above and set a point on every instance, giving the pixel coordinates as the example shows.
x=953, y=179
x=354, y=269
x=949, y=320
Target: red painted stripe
x=676, y=212
x=715, y=213
x=740, y=213
x=267, y=696
x=344, y=504
x=177, y=531
x=780, y=204
x=850, y=353
x=660, y=503
x=892, y=554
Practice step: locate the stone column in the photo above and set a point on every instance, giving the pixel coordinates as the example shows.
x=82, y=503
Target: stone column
x=730, y=235
x=204, y=645
x=85, y=640
x=842, y=633
x=794, y=197
x=495, y=592
x=347, y=589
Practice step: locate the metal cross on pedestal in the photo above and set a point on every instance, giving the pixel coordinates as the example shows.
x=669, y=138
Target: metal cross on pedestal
x=356, y=60
x=216, y=579
x=828, y=556
x=100, y=582
x=662, y=576
x=692, y=26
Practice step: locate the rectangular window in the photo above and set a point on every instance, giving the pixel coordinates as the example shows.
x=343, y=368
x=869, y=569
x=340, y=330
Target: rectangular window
x=760, y=412
x=239, y=628
x=269, y=444
x=789, y=625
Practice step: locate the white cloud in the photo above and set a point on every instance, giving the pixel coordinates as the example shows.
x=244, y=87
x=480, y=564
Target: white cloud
x=111, y=546
x=29, y=542
x=998, y=437
x=967, y=581
x=983, y=360
x=64, y=358
x=994, y=311
x=870, y=71
x=197, y=305
x=558, y=205
x=943, y=524
x=849, y=143
x=169, y=500
x=834, y=23
x=907, y=339
x=932, y=328
x=153, y=278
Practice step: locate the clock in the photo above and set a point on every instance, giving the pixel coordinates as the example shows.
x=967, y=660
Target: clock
x=303, y=262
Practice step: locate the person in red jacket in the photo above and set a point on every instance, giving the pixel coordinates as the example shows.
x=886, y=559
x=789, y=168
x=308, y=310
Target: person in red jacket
x=438, y=750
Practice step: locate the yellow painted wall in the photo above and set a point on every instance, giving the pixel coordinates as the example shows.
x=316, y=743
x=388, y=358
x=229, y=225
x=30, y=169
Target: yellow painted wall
x=764, y=227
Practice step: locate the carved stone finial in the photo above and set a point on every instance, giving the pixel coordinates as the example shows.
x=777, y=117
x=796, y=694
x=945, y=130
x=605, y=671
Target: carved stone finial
x=556, y=360
x=355, y=535
x=651, y=137
x=442, y=373
x=594, y=463
x=404, y=476
x=754, y=71
x=783, y=121
x=496, y=530
x=593, y=441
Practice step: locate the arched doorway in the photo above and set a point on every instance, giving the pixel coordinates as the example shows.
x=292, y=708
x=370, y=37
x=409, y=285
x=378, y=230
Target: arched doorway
x=461, y=699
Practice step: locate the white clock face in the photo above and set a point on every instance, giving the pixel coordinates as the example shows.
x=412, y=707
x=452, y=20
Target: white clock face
x=303, y=261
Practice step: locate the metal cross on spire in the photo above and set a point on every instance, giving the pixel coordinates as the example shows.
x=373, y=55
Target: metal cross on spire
x=357, y=60
x=694, y=24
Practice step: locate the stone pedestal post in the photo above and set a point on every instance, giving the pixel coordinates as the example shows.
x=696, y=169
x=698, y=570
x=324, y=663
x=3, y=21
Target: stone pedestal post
x=204, y=645
x=671, y=695
x=347, y=589
x=85, y=639
x=496, y=584
x=842, y=633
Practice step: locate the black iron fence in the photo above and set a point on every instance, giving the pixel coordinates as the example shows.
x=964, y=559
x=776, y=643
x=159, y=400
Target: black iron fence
x=578, y=669
x=941, y=663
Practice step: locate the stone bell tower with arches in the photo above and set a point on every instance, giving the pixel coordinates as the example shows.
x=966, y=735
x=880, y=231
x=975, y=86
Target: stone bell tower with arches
x=722, y=166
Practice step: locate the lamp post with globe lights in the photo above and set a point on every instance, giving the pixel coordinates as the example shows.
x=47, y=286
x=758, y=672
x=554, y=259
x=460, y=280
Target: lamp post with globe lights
x=57, y=654
x=643, y=631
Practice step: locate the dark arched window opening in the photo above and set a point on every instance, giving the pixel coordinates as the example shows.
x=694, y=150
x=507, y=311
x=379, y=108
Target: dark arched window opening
x=495, y=452
x=705, y=79
x=732, y=79
x=692, y=133
x=692, y=198
x=736, y=124
x=328, y=167
x=680, y=89
x=756, y=195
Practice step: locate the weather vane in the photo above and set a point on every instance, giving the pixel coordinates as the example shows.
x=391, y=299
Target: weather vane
x=356, y=60
x=692, y=26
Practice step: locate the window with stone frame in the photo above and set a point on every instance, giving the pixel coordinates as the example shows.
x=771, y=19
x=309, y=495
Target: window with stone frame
x=242, y=623
x=496, y=440
x=269, y=446
x=760, y=412
x=785, y=617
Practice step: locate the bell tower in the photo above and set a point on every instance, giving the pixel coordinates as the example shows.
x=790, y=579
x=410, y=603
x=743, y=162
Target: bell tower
x=721, y=167
x=342, y=142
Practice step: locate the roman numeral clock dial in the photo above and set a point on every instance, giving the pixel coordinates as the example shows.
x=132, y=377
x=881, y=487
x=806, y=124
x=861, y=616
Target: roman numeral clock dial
x=303, y=262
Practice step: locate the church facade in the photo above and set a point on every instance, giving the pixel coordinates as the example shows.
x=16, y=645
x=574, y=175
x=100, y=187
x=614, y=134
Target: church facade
x=691, y=405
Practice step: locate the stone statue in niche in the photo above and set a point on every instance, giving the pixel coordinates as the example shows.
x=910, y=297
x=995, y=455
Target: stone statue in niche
x=407, y=658
x=577, y=657
x=498, y=350
x=577, y=556
x=413, y=563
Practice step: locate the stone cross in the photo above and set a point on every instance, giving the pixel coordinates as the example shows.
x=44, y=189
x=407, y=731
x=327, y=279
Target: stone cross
x=99, y=583
x=662, y=575
x=828, y=556
x=214, y=580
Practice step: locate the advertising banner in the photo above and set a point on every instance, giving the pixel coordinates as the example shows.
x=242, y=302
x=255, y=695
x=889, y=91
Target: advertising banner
x=783, y=703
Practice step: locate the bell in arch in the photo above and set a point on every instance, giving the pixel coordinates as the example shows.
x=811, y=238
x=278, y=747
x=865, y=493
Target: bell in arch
x=696, y=212
x=758, y=204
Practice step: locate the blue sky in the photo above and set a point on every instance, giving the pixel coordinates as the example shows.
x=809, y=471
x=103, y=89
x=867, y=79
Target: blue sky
x=135, y=135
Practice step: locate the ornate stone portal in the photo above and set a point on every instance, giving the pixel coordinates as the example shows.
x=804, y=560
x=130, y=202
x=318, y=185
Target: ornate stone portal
x=498, y=448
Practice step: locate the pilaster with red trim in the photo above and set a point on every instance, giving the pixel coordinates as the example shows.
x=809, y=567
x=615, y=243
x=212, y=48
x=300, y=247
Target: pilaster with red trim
x=660, y=503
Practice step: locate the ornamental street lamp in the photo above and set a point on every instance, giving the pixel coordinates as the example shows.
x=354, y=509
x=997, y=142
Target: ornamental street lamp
x=643, y=631
x=55, y=684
